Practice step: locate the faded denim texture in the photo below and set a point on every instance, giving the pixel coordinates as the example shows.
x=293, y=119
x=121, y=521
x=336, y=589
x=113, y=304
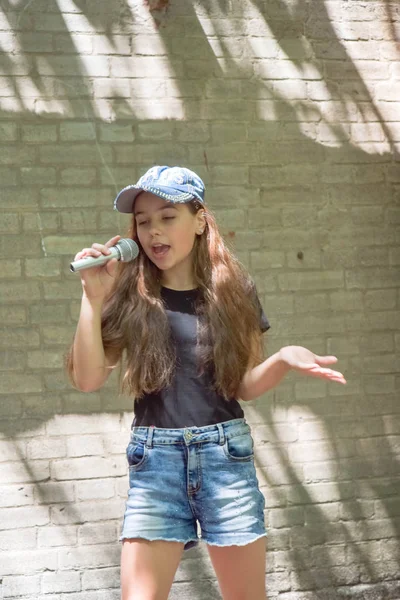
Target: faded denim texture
x=183, y=481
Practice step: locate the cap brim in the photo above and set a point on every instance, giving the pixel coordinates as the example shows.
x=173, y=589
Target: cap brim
x=124, y=202
x=125, y=199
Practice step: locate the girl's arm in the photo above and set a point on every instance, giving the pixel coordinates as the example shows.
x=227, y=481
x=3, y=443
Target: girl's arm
x=91, y=365
x=269, y=373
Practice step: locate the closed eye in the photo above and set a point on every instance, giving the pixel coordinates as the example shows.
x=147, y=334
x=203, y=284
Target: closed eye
x=140, y=223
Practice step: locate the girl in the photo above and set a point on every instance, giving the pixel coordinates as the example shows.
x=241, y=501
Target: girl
x=185, y=321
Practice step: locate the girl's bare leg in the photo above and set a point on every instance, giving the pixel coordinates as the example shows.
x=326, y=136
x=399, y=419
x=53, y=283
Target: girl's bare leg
x=148, y=568
x=240, y=570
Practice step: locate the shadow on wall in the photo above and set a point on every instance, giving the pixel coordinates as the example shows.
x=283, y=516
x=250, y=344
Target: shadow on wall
x=266, y=102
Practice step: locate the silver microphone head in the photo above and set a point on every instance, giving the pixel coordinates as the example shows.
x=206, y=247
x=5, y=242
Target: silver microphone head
x=128, y=249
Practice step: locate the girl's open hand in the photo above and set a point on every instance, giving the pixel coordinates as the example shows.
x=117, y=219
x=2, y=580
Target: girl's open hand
x=306, y=362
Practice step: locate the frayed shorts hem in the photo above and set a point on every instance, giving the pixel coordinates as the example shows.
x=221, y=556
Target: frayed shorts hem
x=192, y=542
x=189, y=543
x=244, y=542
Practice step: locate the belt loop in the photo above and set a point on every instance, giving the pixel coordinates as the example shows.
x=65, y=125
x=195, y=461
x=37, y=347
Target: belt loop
x=149, y=441
x=221, y=434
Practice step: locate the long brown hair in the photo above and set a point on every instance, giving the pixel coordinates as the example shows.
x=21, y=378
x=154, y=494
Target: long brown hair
x=134, y=321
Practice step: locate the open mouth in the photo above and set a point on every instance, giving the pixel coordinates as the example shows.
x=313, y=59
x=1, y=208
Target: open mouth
x=160, y=250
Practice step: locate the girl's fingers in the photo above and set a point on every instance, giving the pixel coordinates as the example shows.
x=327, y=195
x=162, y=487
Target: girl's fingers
x=307, y=366
x=113, y=241
x=102, y=248
x=87, y=252
x=105, y=248
x=328, y=371
x=332, y=376
x=317, y=371
x=325, y=360
x=98, y=249
x=325, y=372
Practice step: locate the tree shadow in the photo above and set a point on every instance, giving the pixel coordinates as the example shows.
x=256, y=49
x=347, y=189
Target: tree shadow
x=329, y=522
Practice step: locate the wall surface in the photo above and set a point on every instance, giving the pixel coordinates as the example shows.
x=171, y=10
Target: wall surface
x=290, y=111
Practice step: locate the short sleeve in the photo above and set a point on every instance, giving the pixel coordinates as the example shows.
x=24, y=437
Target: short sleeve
x=264, y=323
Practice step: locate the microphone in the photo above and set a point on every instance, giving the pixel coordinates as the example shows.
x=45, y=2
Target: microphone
x=125, y=250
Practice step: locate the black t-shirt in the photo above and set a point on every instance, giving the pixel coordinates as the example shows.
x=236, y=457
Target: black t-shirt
x=190, y=400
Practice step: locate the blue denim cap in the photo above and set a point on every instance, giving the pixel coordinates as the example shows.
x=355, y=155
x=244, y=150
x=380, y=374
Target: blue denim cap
x=174, y=184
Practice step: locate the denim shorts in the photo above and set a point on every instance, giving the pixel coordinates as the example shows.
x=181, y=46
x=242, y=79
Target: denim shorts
x=194, y=483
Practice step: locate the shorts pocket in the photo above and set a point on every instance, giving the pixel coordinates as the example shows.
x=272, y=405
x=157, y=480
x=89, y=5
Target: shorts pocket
x=136, y=453
x=239, y=447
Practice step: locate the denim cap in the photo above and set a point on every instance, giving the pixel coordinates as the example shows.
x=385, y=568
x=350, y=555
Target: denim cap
x=174, y=184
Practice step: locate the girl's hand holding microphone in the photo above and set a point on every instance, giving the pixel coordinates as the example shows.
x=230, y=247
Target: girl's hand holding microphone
x=98, y=265
x=97, y=281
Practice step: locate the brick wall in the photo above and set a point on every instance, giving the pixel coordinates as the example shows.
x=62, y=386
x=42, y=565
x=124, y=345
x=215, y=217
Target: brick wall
x=290, y=111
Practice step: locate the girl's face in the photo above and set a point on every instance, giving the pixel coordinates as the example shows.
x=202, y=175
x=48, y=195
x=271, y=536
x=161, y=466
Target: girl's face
x=167, y=231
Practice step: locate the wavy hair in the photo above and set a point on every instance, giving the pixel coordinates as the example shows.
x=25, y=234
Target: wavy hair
x=135, y=324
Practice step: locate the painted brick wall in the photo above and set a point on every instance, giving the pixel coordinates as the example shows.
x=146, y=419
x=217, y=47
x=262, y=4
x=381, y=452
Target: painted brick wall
x=290, y=111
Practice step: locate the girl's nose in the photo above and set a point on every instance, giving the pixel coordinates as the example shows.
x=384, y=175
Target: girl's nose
x=154, y=230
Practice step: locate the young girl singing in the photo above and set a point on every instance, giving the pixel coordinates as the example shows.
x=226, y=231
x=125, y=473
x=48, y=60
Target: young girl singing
x=184, y=322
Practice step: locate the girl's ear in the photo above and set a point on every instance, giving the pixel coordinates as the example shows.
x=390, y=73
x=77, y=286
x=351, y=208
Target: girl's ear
x=201, y=221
